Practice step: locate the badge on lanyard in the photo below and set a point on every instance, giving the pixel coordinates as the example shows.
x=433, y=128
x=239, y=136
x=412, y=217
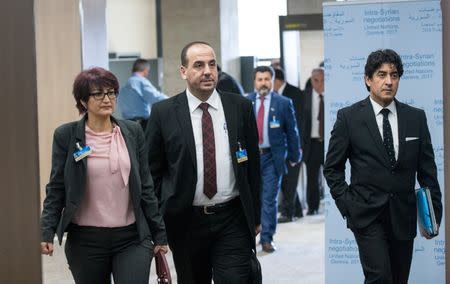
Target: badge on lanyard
x=241, y=154
x=274, y=123
x=82, y=152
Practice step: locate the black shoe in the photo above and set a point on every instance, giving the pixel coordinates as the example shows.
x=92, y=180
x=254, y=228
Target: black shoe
x=298, y=216
x=285, y=219
x=312, y=212
x=268, y=247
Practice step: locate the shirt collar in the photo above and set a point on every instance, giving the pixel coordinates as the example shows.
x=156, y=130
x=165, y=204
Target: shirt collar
x=267, y=97
x=377, y=107
x=281, y=89
x=316, y=94
x=194, y=102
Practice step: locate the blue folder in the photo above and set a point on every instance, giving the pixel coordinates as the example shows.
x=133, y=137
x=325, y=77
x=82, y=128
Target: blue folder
x=425, y=212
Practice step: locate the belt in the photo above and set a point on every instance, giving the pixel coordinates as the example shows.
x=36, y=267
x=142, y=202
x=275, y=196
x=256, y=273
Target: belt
x=263, y=151
x=212, y=209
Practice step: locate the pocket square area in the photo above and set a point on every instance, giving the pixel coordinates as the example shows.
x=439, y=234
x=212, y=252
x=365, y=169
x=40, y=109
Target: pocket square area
x=411, y=138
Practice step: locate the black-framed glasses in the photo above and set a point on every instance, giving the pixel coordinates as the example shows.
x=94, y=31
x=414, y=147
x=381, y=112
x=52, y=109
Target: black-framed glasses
x=100, y=96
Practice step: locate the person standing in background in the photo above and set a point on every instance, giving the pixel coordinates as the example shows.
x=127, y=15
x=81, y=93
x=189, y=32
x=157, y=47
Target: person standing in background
x=226, y=83
x=138, y=95
x=313, y=135
x=278, y=140
x=290, y=205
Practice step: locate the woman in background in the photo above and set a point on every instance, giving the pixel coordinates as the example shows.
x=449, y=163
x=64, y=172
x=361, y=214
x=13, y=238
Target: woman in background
x=100, y=190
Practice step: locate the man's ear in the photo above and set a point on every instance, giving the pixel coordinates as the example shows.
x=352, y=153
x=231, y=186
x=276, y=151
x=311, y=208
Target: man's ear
x=183, y=72
x=367, y=80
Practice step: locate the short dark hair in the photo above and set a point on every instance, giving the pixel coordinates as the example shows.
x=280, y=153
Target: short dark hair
x=378, y=58
x=279, y=74
x=140, y=65
x=95, y=77
x=183, y=56
x=263, y=69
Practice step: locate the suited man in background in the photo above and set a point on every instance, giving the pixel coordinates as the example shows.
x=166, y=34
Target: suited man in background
x=278, y=141
x=388, y=144
x=204, y=159
x=290, y=204
x=312, y=134
x=226, y=83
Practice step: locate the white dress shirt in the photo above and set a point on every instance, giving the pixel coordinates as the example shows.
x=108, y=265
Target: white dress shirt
x=315, y=106
x=267, y=98
x=226, y=181
x=393, y=120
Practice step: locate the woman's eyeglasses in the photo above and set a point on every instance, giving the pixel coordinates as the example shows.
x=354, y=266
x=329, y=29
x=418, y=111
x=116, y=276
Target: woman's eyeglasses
x=100, y=96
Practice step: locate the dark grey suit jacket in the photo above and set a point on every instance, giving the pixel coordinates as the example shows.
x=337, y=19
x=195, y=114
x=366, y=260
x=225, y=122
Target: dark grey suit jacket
x=373, y=183
x=68, y=179
x=173, y=164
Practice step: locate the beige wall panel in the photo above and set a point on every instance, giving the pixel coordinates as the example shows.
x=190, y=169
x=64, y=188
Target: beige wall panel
x=131, y=26
x=183, y=22
x=20, y=260
x=58, y=53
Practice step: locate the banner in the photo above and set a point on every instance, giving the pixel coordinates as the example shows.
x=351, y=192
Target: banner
x=352, y=30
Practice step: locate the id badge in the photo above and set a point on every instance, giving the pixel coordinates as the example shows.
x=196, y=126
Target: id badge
x=274, y=123
x=241, y=154
x=82, y=152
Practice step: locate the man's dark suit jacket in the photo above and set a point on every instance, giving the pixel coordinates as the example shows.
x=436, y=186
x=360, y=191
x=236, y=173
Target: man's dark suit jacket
x=228, y=84
x=297, y=97
x=68, y=181
x=373, y=183
x=305, y=118
x=173, y=163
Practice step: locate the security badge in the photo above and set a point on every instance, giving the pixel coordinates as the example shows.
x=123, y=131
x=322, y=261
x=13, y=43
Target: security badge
x=274, y=123
x=241, y=154
x=82, y=152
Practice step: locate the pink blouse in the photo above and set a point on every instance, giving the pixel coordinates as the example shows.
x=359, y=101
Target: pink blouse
x=106, y=201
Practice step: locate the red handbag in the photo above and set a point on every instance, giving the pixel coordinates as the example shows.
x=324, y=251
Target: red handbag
x=162, y=269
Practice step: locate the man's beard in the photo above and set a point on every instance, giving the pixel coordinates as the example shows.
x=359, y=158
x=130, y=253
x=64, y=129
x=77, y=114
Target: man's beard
x=263, y=91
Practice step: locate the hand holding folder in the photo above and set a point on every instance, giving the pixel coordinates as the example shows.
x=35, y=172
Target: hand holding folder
x=425, y=213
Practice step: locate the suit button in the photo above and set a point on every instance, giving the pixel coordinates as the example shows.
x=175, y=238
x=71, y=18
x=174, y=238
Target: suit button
x=392, y=195
x=393, y=172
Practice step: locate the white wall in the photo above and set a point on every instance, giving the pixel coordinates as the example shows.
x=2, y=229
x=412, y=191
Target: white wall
x=131, y=26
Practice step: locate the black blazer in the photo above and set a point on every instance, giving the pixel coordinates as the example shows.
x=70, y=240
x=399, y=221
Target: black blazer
x=297, y=97
x=173, y=164
x=306, y=120
x=373, y=183
x=228, y=84
x=68, y=179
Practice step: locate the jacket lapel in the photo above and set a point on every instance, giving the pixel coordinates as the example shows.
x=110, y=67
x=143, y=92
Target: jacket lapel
x=371, y=123
x=184, y=120
x=401, y=129
x=231, y=118
x=80, y=137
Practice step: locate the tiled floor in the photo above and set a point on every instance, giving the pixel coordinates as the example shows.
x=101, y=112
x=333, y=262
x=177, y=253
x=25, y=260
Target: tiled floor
x=299, y=258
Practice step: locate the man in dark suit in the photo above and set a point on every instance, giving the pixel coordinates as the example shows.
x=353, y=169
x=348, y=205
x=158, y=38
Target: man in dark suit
x=387, y=144
x=312, y=134
x=204, y=160
x=278, y=141
x=290, y=204
x=226, y=83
